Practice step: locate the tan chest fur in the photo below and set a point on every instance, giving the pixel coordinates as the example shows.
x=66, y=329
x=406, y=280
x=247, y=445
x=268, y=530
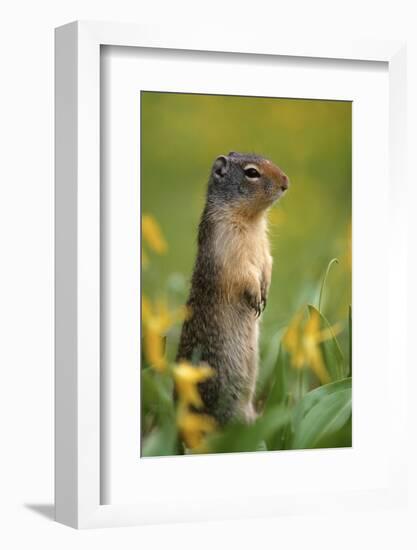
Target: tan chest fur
x=241, y=248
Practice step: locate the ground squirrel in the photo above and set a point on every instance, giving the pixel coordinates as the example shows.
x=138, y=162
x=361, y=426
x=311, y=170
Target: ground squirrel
x=230, y=282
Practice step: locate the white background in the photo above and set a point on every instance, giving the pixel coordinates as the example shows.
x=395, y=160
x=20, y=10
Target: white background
x=26, y=274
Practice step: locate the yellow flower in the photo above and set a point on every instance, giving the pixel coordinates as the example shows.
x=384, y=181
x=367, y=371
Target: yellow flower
x=194, y=427
x=292, y=340
x=186, y=378
x=155, y=350
x=302, y=340
x=157, y=316
x=146, y=309
x=153, y=235
x=157, y=319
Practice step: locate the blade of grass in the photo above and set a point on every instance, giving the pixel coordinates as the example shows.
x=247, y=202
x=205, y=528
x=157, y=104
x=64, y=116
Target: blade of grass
x=323, y=284
x=333, y=356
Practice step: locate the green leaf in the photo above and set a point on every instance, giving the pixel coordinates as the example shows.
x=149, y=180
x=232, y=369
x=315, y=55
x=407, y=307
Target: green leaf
x=314, y=396
x=323, y=417
x=262, y=446
x=161, y=441
x=332, y=354
x=267, y=364
x=281, y=438
x=244, y=438
x=278, y=392
x=157, y=394
x=339, y=438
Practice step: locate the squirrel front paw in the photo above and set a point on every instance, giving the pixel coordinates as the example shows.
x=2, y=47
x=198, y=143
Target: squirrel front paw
x=255, y=301
x=264, y=294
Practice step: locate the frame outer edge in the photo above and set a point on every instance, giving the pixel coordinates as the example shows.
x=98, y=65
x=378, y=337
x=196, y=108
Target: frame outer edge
x=399, y=247
x=77, y=244
x=88, y=275
x=66, y=345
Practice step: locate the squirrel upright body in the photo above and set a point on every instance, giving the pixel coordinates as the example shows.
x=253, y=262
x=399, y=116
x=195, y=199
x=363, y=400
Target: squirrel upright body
x=230, y=282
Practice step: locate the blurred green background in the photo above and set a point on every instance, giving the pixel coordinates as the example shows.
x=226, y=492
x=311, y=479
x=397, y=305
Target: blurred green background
x=182, y=134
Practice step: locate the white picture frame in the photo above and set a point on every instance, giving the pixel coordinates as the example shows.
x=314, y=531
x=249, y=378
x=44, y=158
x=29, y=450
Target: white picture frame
x=78, y=426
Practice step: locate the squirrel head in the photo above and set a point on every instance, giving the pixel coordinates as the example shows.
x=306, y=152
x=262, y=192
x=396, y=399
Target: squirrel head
x=246, y=182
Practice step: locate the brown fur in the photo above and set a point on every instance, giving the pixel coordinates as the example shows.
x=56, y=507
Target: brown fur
x=230, y=284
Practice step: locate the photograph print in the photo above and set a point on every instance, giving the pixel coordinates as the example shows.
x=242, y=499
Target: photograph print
x=246, y=286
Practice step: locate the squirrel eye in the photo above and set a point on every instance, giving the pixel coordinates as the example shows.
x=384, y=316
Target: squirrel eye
x=252, y=173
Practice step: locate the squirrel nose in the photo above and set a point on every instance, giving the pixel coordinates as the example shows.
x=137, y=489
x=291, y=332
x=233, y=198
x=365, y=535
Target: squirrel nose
x=284, y=182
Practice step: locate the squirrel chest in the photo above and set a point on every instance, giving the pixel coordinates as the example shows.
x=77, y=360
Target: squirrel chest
x=242, y=252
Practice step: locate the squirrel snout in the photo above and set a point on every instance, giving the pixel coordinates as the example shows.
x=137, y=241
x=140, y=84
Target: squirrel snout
x=284, y=181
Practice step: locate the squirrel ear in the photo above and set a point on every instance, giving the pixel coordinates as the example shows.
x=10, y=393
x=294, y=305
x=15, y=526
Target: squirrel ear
x=220, y=167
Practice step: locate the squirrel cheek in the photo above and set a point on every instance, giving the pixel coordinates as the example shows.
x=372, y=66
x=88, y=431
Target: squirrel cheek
x=242, y=189
x=270, y=187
